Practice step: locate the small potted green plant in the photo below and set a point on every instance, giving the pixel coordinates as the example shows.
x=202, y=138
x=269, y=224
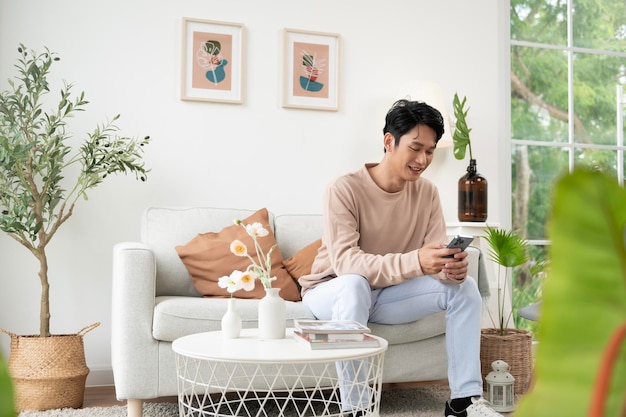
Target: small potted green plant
x=41, y=179
x=507, y=250
x=472, y=204
x=502, y=342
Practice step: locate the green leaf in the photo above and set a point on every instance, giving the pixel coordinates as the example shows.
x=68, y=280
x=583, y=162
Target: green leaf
x=308, y=60
x=212, y=47
x=461, y=135
x=584, y=298
x=506, y=248
x=6, y=392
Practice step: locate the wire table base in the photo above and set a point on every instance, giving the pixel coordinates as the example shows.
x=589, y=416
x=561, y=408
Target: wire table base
x=295, y=382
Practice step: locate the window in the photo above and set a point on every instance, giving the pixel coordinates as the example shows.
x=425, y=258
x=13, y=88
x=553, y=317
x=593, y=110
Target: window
x=568, y=76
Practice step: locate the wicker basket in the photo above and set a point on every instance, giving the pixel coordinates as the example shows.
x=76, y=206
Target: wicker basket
x=514, y=348
x=48, y=372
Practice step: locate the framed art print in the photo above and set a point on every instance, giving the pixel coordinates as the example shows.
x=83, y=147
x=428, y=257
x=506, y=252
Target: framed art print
x=212, y=61
x=311, y=70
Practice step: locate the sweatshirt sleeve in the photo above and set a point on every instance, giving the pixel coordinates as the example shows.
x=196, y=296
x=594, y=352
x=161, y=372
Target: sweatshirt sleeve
x=436, y=232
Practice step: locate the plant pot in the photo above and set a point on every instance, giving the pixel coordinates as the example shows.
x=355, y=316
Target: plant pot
x=48, y=372
x=217, y=74
x=514, y=348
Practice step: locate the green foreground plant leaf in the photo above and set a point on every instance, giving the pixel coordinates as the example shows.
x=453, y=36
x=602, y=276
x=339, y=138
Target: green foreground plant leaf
x=6, y=391
x=584, y=298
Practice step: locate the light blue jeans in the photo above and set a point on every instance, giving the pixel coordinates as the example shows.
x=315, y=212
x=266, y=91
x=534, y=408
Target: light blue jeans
x=349, y=297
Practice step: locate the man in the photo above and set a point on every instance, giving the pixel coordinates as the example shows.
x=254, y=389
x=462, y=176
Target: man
x=382, y=258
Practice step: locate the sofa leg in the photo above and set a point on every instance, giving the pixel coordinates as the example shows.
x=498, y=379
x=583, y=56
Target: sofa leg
x=135, y=408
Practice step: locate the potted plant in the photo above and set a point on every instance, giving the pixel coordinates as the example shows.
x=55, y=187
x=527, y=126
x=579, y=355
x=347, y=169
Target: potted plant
x=37, y=196
x=511, y=345
x=472, y=204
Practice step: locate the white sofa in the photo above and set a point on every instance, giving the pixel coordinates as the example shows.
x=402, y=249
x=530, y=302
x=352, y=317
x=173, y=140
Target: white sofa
x=155, y=302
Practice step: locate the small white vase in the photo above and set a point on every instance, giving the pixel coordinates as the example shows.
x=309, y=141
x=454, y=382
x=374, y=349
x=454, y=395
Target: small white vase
x=231, y=322
x=272, y=315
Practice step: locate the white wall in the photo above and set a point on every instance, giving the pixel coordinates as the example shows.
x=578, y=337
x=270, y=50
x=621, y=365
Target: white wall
x=126, y=56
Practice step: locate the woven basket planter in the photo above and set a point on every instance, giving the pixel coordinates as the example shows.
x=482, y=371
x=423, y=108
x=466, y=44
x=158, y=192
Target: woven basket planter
x=48, y=372
x=514, y=348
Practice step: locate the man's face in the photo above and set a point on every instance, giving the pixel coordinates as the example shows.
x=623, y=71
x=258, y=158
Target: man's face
x=414, y=152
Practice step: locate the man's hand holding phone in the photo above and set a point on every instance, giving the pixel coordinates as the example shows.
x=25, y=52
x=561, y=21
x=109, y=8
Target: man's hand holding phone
x=455, y=270
x=432, y=262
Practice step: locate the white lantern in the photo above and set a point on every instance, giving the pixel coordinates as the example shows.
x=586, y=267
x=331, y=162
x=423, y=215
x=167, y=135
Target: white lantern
x=500, y=389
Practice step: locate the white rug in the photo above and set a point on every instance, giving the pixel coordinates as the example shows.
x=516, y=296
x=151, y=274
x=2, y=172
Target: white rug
x=413, y=402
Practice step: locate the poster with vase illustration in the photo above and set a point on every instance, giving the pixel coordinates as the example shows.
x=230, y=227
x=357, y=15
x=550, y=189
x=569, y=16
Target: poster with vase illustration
x=212, y=61
x=311, y=70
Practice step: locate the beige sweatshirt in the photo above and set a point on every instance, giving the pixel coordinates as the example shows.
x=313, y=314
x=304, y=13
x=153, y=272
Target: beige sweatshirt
x=373, y=233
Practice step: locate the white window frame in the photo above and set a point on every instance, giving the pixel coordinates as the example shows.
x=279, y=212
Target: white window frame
x=570, y=145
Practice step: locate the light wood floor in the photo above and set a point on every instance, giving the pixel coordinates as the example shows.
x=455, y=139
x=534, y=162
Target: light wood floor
x=105, y=397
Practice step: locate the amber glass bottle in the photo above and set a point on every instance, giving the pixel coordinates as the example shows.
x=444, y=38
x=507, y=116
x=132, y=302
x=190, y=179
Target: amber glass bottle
x=472, y=195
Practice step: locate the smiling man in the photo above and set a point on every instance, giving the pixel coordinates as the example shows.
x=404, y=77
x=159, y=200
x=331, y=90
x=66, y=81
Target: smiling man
x=382, y=258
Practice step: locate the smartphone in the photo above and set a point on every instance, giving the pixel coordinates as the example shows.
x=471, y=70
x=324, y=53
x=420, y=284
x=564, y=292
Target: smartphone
x=459, y=241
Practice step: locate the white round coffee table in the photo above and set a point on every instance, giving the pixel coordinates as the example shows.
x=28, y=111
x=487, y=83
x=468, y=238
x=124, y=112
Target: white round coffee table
x=248, y=376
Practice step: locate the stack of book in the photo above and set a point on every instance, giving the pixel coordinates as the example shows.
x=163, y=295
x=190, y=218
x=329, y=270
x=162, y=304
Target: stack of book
x=333, y=334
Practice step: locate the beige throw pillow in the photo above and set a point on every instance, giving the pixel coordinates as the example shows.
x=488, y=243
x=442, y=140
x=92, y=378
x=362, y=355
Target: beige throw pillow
x=301, y=262
x=207, y=257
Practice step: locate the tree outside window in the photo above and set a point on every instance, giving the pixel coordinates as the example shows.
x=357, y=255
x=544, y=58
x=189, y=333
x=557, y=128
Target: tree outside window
x=568, y=76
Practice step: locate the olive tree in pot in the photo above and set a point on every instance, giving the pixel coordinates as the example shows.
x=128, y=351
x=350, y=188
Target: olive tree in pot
x=37, y=196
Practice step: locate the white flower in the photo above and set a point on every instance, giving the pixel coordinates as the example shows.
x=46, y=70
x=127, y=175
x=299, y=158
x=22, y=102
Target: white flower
x=261, y=267
x=247, y=280
x=237, y=280
x=239, y=248
x=256, y=229
x=231, y=282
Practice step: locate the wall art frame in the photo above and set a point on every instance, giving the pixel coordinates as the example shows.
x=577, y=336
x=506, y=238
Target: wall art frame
x=212, y=61
x=311, y=70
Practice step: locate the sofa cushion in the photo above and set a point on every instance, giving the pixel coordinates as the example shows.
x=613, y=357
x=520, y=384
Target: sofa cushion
x=424, y=328
x=178, y=316
x=207, y=257
x=301, y=263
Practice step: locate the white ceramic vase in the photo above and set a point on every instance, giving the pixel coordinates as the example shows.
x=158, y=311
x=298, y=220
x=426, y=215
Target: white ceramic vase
x=272, y=315
x=231, y=322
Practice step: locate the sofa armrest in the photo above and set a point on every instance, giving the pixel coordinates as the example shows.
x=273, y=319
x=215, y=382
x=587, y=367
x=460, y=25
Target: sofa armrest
x=134, y=352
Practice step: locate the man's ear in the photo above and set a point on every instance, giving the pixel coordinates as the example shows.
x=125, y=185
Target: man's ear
x=388, y=141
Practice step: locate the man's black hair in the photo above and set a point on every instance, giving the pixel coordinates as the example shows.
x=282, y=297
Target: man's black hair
x=405, y=114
